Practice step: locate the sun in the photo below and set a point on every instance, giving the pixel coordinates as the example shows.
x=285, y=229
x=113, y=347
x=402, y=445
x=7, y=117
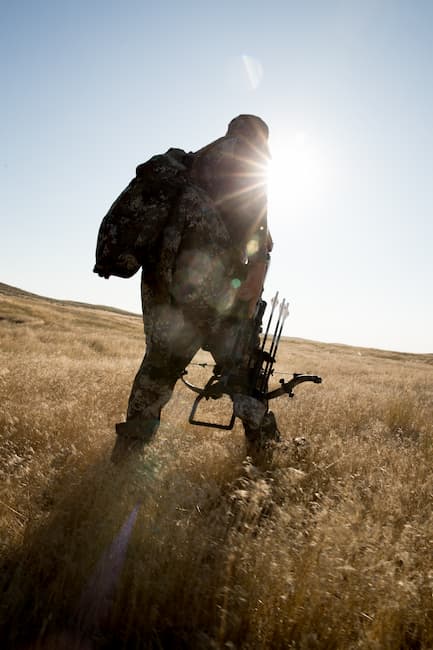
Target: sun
x=296, y=172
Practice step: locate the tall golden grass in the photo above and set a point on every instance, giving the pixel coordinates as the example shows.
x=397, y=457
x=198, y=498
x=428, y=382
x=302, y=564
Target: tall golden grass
x=192, y=546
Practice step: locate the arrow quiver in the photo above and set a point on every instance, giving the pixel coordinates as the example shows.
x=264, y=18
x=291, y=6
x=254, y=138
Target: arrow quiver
x=251, y=366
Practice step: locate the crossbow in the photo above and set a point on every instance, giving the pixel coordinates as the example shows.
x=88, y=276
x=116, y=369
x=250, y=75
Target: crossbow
x=251, y=365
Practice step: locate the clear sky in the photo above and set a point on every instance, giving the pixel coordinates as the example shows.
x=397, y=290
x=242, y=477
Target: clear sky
x=91, y=88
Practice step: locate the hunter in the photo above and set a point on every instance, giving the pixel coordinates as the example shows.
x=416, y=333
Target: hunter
x=197, y=225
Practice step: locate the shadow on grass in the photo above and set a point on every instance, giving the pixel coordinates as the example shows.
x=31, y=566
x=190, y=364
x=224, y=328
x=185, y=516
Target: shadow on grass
x=129, y=558
x=59, y=588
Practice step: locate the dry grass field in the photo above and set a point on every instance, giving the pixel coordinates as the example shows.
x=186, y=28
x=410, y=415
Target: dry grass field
x=192, y=546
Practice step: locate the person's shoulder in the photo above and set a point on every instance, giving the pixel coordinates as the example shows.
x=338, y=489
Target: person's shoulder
x=178, y=157
x=173, y=162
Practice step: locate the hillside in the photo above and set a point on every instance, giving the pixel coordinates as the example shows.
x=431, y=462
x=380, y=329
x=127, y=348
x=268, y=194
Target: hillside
x=192, y=546
x=19, y=311
x=8, y=290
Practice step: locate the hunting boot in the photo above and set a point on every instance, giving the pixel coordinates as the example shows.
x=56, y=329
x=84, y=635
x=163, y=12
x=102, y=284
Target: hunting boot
x=132, y=436
x=261, y=442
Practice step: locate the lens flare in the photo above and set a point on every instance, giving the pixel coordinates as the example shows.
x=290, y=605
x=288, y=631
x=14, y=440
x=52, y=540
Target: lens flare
x=254, y=70
x=252, y=246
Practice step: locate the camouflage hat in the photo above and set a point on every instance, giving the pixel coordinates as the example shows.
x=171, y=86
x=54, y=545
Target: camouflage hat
x=249, y=126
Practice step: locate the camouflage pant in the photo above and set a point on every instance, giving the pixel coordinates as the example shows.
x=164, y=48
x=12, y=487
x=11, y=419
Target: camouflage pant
x=172, y=340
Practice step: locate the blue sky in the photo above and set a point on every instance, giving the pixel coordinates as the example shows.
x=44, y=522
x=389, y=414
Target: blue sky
x=91, y=89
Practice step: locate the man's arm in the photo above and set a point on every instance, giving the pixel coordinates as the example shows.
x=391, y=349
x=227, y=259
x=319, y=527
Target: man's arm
x=257, y=267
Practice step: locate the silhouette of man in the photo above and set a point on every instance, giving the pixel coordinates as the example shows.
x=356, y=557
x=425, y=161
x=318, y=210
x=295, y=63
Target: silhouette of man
x=197, y=225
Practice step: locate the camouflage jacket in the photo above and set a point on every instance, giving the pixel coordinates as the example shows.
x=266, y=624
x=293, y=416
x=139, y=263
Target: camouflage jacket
x=131, y=231
x=227, y=176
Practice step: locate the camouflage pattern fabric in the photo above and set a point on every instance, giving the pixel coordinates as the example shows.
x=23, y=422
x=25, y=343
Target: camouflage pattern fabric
x=191, y=221
x=172, y=340
x=188, y=303
x=129, y=233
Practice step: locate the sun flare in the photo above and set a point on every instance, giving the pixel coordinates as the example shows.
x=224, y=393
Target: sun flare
x=296, y=172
